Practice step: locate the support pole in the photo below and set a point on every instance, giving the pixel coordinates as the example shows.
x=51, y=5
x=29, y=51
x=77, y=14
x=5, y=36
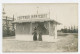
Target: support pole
x=6, y=26
x=55, y=37
x=13, y=26
x=31, y=28
x=49, y=28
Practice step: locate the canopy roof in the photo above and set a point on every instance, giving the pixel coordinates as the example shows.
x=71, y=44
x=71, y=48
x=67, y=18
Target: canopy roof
x=36, y=20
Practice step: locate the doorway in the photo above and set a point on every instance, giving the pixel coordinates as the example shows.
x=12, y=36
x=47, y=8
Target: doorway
x=41, y=27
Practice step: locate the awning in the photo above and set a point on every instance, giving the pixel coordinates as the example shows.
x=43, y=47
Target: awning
x=36, y=20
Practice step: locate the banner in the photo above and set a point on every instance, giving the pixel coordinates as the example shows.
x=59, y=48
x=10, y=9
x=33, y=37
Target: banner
x=32, y=16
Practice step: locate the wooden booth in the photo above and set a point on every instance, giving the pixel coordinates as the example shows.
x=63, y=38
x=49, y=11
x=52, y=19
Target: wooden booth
x=25, y=26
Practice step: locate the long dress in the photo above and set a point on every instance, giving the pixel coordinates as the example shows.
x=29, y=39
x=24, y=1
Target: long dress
x=35, y=36
x=40, y=36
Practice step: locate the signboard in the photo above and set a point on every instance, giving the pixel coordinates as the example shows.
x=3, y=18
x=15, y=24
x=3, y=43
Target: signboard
x=32, y=16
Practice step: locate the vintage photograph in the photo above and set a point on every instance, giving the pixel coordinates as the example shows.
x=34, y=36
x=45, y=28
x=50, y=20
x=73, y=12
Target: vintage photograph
x=40, y=27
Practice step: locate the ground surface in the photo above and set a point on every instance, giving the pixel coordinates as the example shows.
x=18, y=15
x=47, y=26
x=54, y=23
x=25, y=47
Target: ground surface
x=66, y=43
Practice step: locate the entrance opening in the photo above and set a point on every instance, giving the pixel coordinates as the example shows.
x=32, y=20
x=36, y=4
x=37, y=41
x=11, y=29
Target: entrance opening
x=42, y=28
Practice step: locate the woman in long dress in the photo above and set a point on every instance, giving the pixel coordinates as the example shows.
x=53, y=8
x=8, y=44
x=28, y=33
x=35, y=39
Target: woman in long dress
x=40, y=36
x=35, y=35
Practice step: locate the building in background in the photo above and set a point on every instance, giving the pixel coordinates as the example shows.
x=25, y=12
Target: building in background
x=8, y=26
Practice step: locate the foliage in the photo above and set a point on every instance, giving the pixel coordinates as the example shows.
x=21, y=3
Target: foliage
x=71, y=29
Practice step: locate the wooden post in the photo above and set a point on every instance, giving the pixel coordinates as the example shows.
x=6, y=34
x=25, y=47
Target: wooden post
x=55, y=31
x=6, y=26
x=13, y=26
x=31, y=28
x=13, y=17
x=49, y=28
x=6, y=22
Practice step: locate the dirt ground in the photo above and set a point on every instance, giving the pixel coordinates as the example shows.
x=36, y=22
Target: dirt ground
x=66, y=43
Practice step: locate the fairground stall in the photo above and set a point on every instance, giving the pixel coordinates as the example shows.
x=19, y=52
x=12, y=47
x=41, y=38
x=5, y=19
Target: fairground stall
x=25, y=26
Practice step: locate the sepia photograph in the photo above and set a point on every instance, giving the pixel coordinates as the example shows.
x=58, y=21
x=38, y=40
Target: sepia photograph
x=40, y=27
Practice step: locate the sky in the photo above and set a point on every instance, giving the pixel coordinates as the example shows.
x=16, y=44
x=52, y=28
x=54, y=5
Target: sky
x=64, y=13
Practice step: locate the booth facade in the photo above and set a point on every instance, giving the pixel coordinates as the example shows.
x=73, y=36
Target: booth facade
x=25, y=27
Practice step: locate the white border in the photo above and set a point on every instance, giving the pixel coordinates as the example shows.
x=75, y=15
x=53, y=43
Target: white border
x=40, y=1
x=35, y=1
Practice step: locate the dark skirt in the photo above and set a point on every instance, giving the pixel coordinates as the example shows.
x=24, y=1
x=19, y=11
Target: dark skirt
x=40, y=37
x=34, y=38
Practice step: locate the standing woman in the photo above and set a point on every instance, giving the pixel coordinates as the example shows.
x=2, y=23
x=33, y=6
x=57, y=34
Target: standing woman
x=40, y=36
x=35, y=34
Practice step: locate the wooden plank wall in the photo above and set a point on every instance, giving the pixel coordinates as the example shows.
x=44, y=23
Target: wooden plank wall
x=23, y=28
